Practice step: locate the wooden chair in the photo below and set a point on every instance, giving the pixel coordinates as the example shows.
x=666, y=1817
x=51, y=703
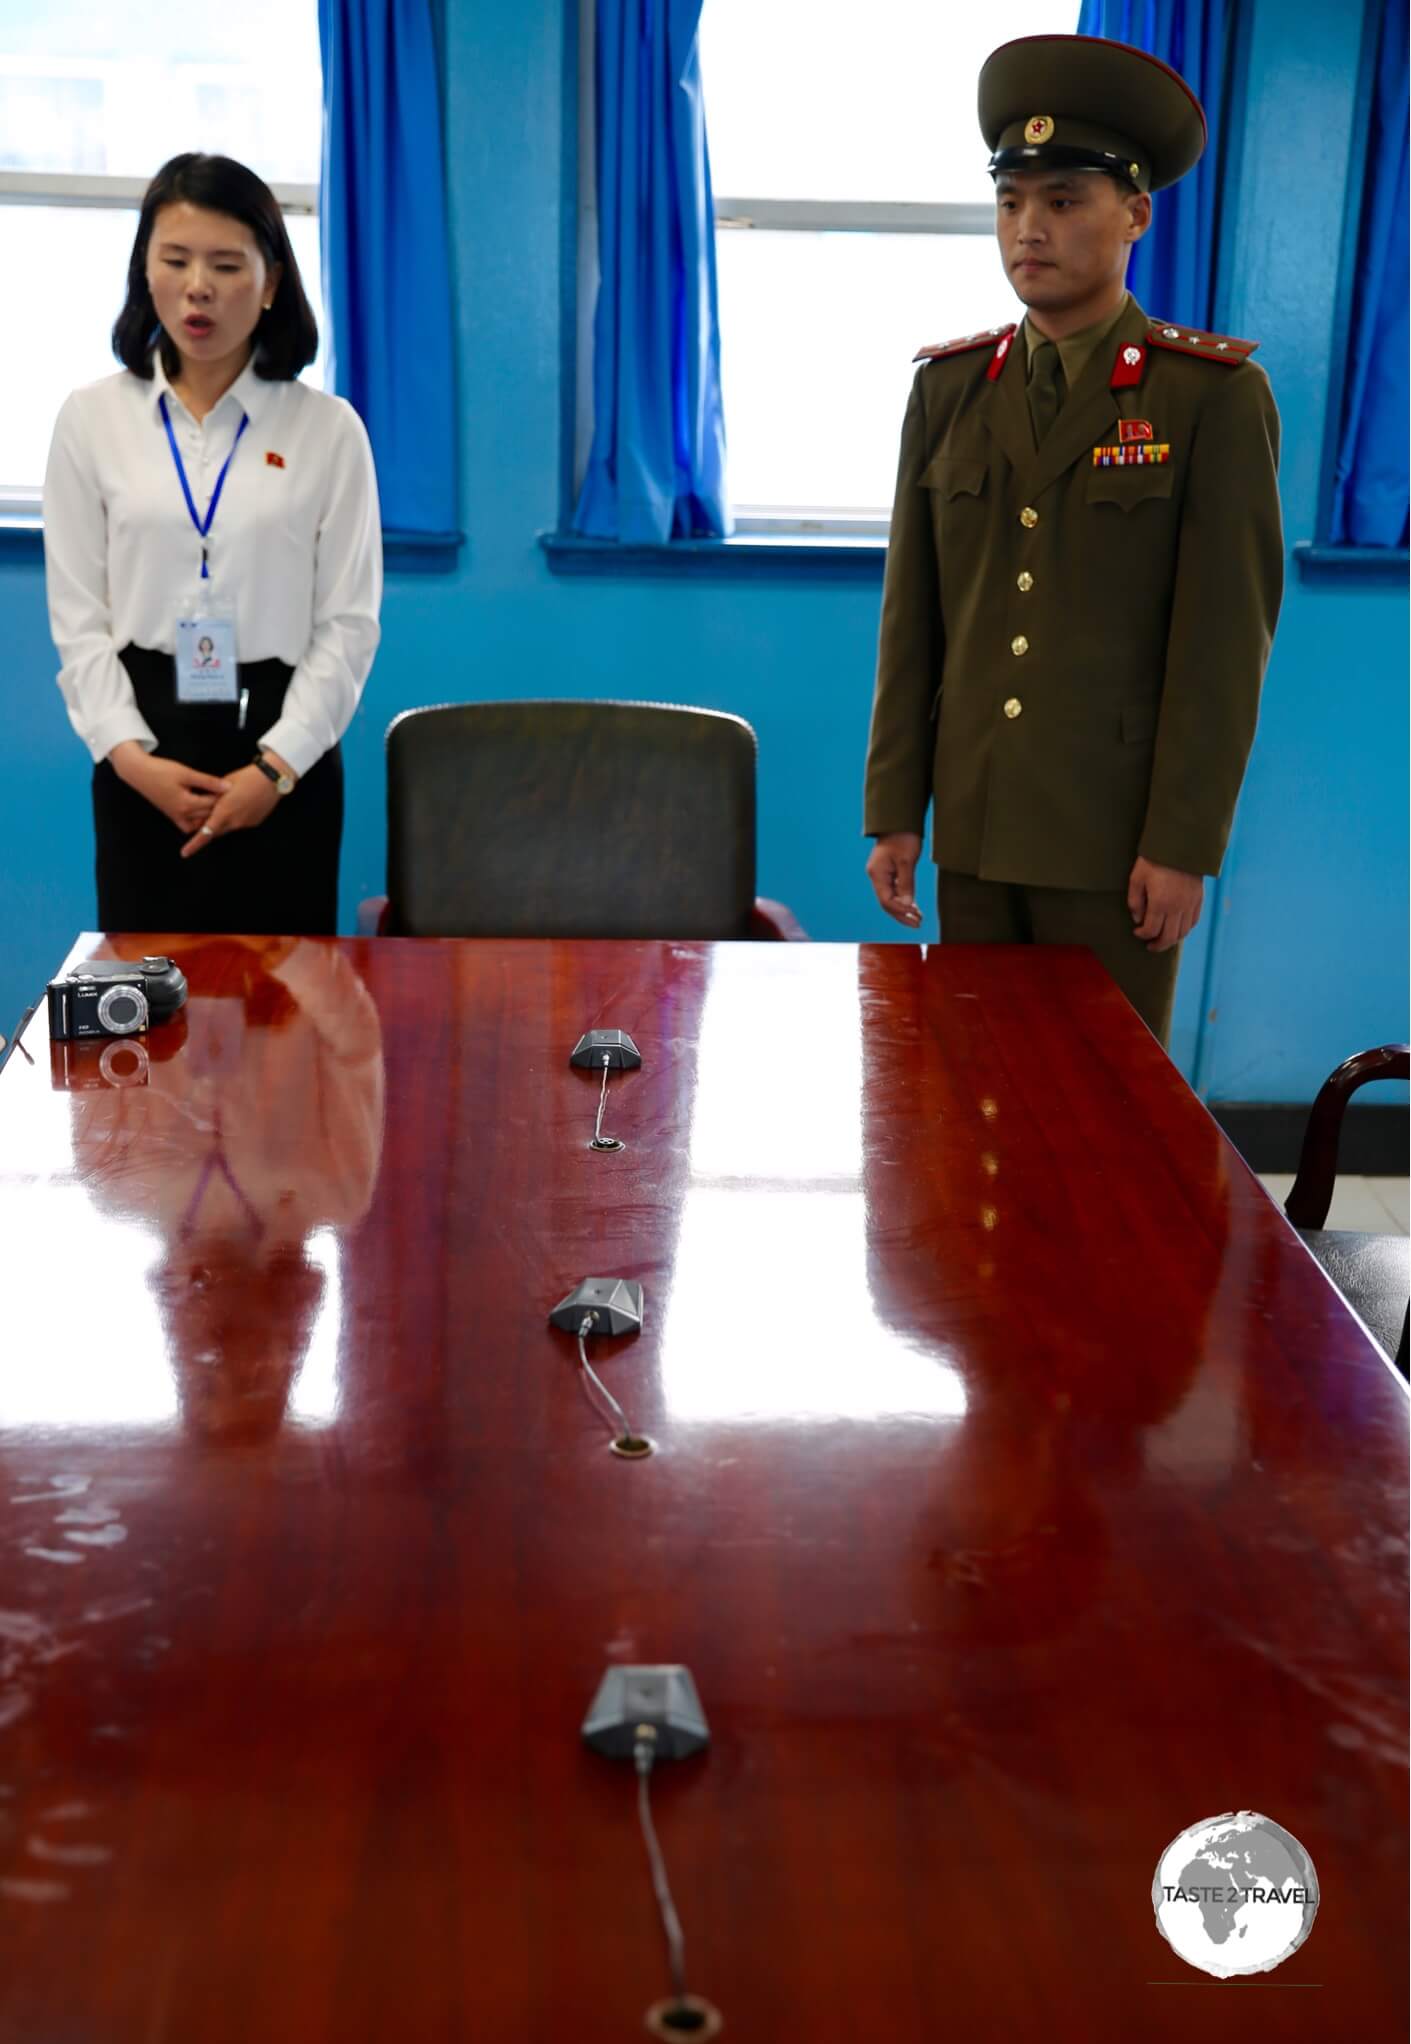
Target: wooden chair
x=571, y=819
x=1371, y=1271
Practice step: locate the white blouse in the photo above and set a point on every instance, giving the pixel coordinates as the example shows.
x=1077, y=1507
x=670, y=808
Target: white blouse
x=295, y=548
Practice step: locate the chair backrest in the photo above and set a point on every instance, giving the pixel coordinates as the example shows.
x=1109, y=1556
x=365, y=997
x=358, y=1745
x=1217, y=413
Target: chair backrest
x=570, y=819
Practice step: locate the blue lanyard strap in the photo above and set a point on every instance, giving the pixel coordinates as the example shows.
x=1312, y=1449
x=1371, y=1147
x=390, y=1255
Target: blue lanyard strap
x=202, y=530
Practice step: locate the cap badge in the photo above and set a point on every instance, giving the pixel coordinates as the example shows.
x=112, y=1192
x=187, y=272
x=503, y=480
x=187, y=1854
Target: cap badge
x=1039, y=129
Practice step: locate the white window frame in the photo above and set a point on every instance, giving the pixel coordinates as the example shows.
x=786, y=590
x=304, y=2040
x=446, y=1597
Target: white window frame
x=22, y=506
x=840, y=216
x=740, y=215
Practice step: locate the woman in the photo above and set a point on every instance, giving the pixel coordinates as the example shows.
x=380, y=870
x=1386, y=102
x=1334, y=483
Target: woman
x=214, y=569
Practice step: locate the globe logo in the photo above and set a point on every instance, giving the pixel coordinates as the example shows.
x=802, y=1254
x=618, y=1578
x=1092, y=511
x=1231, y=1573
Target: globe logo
x=1235, y=1894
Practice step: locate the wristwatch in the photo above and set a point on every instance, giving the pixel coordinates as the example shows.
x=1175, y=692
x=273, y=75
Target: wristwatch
x=283, y=782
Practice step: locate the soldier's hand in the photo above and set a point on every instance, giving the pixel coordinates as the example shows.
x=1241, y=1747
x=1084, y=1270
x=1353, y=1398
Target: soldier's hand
x=1165, y=903
x=892, y=870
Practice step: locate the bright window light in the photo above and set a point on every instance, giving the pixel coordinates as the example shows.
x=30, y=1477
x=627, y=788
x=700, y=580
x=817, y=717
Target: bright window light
x=93, y=99
x=826, y=107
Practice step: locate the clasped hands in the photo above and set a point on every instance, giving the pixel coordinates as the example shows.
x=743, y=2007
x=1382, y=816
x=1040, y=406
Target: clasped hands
x=205, y=806
x=1164, y=902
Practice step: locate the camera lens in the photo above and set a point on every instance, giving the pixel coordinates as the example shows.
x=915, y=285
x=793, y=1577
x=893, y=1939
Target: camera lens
x=122, y=1010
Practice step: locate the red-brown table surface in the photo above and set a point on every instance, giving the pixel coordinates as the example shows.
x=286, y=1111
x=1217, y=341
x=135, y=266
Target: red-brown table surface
x=1024, y=1495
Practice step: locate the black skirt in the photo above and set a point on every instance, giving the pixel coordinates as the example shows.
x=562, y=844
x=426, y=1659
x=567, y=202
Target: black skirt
x=280, y=879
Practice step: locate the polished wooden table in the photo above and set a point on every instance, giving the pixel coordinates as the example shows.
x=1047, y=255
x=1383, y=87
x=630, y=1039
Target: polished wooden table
x=1023, y=1495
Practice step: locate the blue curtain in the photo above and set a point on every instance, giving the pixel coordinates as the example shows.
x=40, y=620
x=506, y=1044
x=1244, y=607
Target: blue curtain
x=656, y=471
x=1369, y=480
x=386, y=273
x=1173, y=269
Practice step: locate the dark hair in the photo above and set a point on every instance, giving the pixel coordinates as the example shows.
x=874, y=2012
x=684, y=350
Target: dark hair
x=286, y=339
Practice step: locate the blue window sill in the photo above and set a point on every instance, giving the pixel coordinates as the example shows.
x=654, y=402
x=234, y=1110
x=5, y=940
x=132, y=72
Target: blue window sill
x=394, y=542
x=1351, y=564
x=841, y=558
x=23, y=538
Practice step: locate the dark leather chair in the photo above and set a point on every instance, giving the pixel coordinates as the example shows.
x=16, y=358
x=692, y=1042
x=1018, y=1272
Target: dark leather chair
x=571, y=819
x=1373, y=1272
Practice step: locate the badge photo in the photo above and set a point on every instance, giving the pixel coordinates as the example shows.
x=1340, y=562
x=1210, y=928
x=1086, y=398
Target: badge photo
x=205, y=656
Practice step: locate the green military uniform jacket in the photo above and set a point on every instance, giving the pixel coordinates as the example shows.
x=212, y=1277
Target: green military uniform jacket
x=1071, y=654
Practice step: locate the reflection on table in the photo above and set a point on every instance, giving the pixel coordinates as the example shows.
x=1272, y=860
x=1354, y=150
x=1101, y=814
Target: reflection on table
x=1023, y=1495
x=257, y=1125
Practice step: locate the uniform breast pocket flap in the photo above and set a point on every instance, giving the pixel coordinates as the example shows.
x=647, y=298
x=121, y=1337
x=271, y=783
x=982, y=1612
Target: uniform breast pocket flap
x=1129, y=487
x=953, y=476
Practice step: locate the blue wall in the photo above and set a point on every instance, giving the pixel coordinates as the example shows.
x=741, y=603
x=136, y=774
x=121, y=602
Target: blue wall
x=1308, y=956
x=1311, y=924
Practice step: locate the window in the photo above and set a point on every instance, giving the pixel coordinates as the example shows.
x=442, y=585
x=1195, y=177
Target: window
x=93, y=98
x=854, y=224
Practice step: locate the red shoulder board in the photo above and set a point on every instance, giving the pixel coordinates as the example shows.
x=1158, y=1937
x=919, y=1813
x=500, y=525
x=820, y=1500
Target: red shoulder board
x=963, y=346
x=1189, y=340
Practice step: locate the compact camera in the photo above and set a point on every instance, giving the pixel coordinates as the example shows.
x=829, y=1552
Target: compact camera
x=114, y=997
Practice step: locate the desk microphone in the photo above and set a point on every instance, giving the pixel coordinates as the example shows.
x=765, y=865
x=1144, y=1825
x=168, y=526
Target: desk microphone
x=606, y=1306
x=605, y=1050
x=648, y=1714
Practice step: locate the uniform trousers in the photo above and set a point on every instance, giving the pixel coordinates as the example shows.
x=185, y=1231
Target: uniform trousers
x=279, y=879
x=1000, y=912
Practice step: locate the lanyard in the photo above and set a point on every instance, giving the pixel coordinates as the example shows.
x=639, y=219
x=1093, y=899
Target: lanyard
x=201, y=529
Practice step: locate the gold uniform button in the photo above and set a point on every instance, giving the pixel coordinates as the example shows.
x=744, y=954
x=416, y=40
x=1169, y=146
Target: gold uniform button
x=1026, y=582
x=1013, y=708
x=1019, y=645
x=1029, y=517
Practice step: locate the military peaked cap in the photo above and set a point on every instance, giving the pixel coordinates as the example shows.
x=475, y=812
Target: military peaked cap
x=1060, y=102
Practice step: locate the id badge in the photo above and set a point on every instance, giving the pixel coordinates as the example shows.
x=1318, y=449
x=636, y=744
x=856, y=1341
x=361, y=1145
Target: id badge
x=205, y=656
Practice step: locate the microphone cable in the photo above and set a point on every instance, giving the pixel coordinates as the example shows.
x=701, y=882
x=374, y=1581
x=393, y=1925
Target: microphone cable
x=643, y=1754
x=600, y=1141
x=629, y=1442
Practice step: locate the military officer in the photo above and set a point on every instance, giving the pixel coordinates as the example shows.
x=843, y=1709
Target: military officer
x=1086, y=558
